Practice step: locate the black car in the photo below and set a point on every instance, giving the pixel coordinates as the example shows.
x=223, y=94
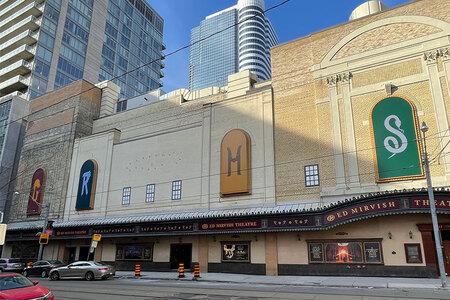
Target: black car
x=42, y=267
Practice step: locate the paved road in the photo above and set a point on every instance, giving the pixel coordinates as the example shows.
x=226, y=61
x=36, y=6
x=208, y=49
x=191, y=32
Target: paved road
x=143, y=289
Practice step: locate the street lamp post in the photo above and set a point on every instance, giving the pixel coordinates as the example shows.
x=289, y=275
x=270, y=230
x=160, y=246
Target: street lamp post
x=437, y=236
x=44, y=228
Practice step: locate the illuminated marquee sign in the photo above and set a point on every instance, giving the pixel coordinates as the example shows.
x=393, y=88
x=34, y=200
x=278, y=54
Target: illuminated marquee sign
x=425, y=203
x=235, y=164
x=292, y=222
x=87, y=185
x=362, y=209
x=229, y=225
x=164, y=228
x=36, y=193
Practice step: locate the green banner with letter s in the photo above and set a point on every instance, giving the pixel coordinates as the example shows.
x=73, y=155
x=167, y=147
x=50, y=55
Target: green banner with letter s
x=396, y=144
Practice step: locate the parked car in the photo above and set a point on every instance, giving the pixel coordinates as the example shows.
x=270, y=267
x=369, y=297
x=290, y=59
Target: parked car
x=11, y=265
x=88, y=270
x=15, y=286
x=42, y=268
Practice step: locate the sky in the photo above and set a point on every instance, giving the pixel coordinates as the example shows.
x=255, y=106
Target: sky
x=292, y=20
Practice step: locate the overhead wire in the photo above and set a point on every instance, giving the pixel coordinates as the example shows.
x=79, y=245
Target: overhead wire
x=164, y=56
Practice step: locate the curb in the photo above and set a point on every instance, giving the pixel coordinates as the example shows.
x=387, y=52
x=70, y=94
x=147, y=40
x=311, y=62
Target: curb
x=310, y=284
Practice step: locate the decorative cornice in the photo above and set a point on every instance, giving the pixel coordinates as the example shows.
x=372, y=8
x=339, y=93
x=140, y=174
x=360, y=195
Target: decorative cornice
x=432, y=56
x=341, y=77
x=446, y=53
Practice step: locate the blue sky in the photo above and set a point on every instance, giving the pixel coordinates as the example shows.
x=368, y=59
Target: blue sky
x=295, y=19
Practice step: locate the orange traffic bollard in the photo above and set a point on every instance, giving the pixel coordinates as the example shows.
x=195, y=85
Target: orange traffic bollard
x=181, y=271
x=196, y=271
x=137, y=270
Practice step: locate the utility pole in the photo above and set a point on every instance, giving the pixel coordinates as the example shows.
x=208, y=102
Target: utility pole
x=437, y=236
x=44, y=228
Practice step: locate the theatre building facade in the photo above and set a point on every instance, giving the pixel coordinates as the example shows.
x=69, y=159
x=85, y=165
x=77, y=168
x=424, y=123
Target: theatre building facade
x=317, y=172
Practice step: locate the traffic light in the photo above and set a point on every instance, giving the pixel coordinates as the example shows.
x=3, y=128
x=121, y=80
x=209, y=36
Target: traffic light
x=43, y=238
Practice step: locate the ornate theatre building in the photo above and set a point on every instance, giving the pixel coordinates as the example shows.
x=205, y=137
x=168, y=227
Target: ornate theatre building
x=317, y=172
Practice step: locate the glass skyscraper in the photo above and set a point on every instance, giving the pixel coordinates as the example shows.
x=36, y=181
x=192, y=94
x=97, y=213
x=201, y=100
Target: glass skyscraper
x=48, y=44
x=236, y=48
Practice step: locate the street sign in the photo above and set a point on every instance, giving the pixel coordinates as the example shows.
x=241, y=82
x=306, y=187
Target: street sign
x=94, y=245
x=2, y=233
x=97, y=237
x=43, y=238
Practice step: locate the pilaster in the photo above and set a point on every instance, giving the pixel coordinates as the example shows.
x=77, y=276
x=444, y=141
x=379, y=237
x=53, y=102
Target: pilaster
x=431, y=60
x=337, y=134
x=353, y=170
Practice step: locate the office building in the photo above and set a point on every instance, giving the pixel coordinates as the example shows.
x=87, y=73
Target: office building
x=235, y=48
x=12, y=130
x=48, y=44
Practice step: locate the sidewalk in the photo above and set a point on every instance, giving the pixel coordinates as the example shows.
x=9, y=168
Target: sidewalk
x=357, y=282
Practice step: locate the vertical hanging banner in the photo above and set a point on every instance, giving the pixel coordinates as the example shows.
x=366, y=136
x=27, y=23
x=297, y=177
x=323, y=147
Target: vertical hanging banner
x=235, y=164
x=36, y=192
x=395, y=139
x=86, y=185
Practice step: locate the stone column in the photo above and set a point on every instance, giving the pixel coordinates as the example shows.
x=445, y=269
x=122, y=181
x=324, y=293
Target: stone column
x=353, y=170
x=271, y=254
x=203, y=245
x=206, y=156
x=337, y=134
x=440, y=110
x=98, y=252
x=110, y=95
x=445, y=53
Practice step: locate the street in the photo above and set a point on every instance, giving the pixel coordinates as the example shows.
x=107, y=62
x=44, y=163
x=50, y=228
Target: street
x=121, y=288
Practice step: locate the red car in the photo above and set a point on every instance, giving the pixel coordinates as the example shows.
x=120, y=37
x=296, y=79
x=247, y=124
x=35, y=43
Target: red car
x=17, y=287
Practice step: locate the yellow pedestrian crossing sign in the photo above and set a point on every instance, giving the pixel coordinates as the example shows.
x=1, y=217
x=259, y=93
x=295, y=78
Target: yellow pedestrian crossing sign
x=97, y=237
x=43, y=238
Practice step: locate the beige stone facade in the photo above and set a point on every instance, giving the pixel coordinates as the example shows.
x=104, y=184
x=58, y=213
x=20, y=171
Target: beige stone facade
x=326, y=84
x=158, y=199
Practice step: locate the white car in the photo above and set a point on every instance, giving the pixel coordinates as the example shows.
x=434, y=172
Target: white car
x=88, y=270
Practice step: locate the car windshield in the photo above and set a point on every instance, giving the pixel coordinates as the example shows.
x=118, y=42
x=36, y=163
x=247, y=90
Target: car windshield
x=14, y=282
x=100, y=264
x=14, y=260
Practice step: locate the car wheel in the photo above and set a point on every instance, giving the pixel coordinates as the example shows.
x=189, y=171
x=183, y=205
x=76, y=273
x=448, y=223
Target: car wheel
x=54, y=276
x=44, y=274
x=89, y=276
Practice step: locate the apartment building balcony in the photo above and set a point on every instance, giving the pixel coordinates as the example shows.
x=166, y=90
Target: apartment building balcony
x=20, y=67
x=12, y=95
x=161, y=74
x=33, y=9
x=27, y=37
x=5, y=3
x=24, y=52
x=161, y=65
x=163, y=47
x=30, y=23
x=15, y=6
x=14, y=84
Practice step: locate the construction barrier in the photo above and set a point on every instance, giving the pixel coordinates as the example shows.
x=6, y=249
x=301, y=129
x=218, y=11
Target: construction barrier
x=181, y=271
x=137, y=270
x=196, y=271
